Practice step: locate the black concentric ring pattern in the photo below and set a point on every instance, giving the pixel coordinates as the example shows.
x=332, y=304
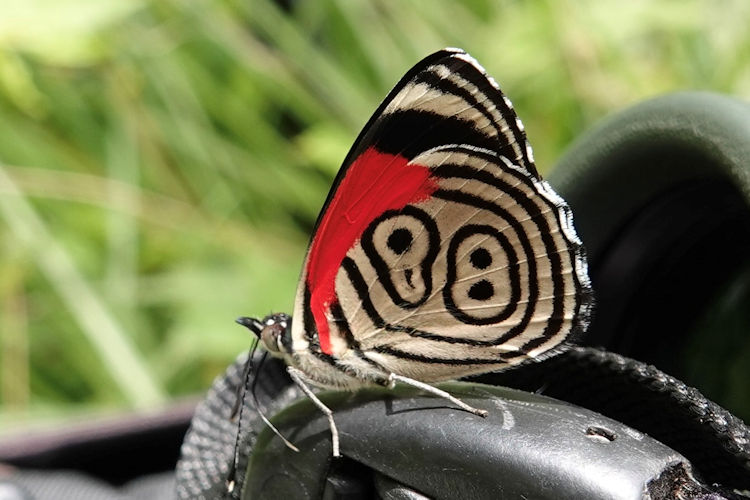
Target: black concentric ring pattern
x=468, y=314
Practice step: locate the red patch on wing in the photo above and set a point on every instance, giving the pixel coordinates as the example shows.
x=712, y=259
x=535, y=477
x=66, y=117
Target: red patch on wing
x=375, y=182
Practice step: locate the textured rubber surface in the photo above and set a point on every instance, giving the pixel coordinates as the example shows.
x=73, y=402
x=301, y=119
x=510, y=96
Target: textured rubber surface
x=528, y=446
x=630, y=157
x=639, y=395
x=209, y=446
x=716, y=442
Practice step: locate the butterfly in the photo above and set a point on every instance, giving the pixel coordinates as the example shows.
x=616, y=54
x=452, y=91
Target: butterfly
x=439, y=253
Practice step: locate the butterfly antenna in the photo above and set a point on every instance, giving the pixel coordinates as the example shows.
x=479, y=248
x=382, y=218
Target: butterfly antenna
x=255, y=326
x=242, y=388
x=236, y=415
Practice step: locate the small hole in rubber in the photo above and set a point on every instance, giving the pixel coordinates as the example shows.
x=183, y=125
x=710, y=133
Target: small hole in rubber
x=600, y=434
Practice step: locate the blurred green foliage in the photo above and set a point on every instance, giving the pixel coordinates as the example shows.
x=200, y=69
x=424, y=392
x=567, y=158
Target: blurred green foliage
x=162, y=161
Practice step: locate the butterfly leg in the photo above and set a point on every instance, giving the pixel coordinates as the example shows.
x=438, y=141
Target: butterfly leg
x=301, y=380
x=437, y=392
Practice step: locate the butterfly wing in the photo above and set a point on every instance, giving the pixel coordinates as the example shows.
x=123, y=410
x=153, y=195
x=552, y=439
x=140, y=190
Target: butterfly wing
x=440, y=252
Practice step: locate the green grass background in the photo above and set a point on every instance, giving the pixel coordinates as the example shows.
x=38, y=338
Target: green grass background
x=162, y=161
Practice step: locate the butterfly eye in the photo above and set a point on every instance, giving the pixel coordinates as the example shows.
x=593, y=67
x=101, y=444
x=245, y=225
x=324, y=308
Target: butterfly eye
x=273, y=335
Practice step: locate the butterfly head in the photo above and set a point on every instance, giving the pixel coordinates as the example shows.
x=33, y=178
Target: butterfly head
x=274, y=331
